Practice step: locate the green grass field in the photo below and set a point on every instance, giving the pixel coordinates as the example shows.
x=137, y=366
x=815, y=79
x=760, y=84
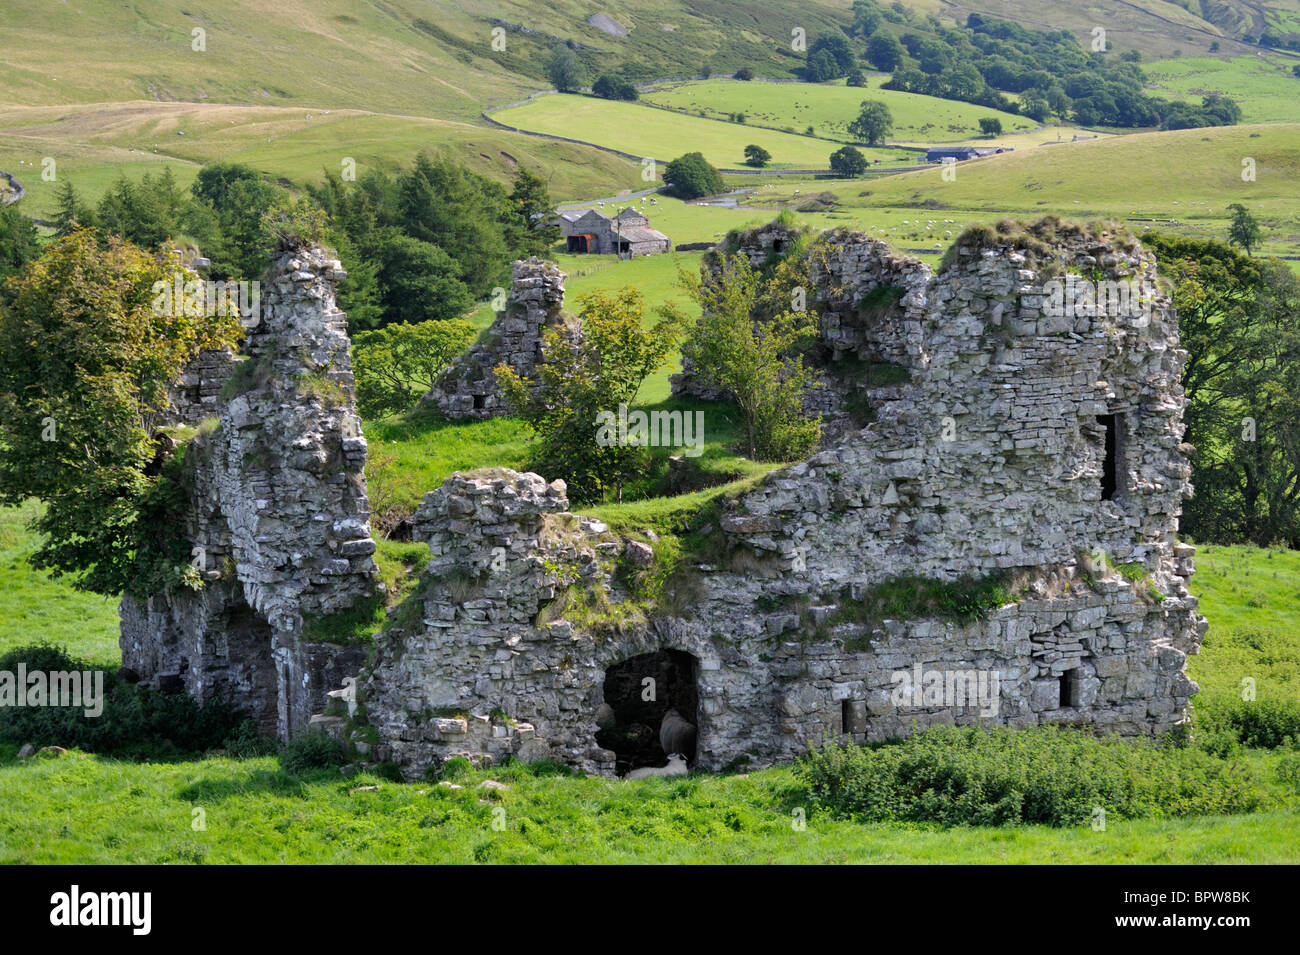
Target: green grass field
x=665, y=135
x=830, y=107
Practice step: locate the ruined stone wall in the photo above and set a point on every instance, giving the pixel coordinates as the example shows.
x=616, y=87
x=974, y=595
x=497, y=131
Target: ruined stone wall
x=468, y=389
x=198, y=393
x=279, y=517
x=989, y=461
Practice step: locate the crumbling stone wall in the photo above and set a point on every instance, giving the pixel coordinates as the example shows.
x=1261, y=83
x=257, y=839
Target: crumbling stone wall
x=279, y=517
x=469, y=389
x=198, y=393
x=989, y=461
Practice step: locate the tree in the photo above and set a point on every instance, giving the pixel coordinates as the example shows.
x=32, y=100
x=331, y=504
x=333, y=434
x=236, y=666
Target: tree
x=1244, y=229
x=18, y=244
x=873, y=123
x=744, y=73
x=71, y=213
x=848, y=162
x=856, y=78
x=587, y=374
x=397, y=364
x=417, y=280
x=612, y=87
x=821, y=67
x=757, y=362
x=531, y=232
x=884, y=52
x=990, y=126
x=837, y=47
x=87, y=353
x=565, y=70
x=227, y=219
x=690, y=176
x=757, y=156
x=1242, y=382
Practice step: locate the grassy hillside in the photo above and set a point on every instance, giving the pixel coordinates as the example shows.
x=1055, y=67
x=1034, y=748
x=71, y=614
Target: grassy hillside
x=428, y=57
x=1262, y=85
x=644, y=131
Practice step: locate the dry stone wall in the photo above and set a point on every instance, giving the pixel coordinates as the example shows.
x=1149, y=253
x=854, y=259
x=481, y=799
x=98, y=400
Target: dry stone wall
x=1035, y=446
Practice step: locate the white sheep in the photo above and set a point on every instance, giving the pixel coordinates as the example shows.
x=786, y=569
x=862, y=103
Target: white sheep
x=676, y=767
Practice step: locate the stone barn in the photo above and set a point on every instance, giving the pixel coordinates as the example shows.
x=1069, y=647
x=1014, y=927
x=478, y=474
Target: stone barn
x=626, y=234
x=1016, y=488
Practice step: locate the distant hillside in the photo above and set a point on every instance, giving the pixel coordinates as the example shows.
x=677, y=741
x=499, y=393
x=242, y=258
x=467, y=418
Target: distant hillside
x=432, y=58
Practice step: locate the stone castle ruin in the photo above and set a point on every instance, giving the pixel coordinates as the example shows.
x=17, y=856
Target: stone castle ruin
x=1029, y=451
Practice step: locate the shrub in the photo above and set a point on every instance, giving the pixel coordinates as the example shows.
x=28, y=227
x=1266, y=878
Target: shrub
x=398, y=363
x=1045, y=775
x=1266, y=724
x=136, y=722
x=247, y=743
x=311, y=750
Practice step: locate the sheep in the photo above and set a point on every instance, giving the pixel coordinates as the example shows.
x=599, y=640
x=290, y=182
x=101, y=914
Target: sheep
x=676, y=767
x=676, y=735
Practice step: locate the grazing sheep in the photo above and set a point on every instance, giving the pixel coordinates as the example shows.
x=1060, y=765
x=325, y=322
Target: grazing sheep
x=676, y=735
x=676, y=767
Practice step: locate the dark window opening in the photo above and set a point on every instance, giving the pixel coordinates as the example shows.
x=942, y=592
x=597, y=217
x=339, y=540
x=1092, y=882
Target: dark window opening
x=1068, y=688
x=1110, y=460
x=853, y=717
x=479, y=401
x=778, y=245
x=636, y=708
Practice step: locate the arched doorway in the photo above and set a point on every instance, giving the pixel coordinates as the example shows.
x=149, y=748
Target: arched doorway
x=638, y=692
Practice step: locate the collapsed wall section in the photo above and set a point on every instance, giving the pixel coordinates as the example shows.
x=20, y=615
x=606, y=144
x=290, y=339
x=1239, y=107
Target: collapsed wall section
x=278, y=517
x=469, y=389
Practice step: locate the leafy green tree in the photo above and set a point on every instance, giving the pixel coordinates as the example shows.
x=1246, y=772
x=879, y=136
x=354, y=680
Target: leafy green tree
x=848, y=162
x=1244, y=229
x=1241, y=379
x=417, y=280
x=837, y=47
x=755, y=357
x=873, y=124
x=147, y=213
x=87, y=353
x=464, y=214
x=757, y=156
x=397, y=364
x=856, y=78
x=744, y=73
x=884, y=52
x=227, y=219
x=565, y=70
x=820, y=67
x=690, y=176
x=612, y=87
x=584, y=375
x=990, y=126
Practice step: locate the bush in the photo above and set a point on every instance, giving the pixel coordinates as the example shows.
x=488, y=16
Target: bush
x=1266, y=724
x=248, y=743
x=1045, y=775
x=311, y=750
x=136, y=722
x=611, y=87
x=398, y=363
